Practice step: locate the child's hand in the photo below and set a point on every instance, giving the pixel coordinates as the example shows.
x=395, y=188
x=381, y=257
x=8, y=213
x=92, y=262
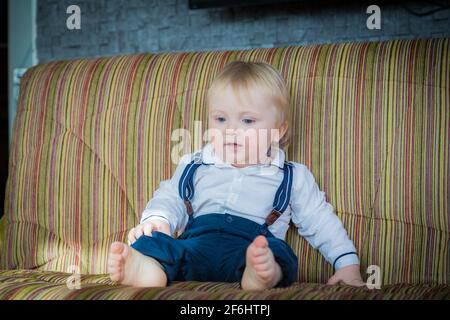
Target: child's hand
x=147, y=228
x=348, y=275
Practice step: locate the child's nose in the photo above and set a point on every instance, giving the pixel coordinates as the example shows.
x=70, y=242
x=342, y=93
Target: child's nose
x=232, y=130
x=235, y=126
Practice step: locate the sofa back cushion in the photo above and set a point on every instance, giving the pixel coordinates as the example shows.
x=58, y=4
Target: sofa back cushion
x=93, y=139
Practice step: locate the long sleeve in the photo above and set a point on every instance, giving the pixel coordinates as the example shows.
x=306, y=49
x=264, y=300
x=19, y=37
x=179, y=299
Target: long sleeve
x=166, y=204
x=316, y=221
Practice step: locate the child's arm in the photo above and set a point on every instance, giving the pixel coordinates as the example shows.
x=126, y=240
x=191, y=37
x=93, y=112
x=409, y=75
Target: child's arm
x=321, y=227
x=166, y=204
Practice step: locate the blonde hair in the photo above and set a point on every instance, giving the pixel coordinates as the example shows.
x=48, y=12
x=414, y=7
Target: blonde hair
x=245, y=75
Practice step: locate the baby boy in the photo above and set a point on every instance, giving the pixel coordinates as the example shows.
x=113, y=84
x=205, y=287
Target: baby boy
x=233, y=199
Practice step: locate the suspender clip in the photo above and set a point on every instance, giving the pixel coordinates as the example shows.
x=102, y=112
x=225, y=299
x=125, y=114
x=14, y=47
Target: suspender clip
x=274, y=215
x=188, y=207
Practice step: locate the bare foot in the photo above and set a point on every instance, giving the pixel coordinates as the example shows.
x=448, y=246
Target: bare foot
x=130, y=267
x=261, y=270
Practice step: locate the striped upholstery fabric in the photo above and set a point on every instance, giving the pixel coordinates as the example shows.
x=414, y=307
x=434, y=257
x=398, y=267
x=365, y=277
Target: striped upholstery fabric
x=45, y=285
x=92, y=141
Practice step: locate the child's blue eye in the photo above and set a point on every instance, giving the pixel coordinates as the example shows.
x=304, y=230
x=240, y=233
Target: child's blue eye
x=248, y=121
x=220, y=119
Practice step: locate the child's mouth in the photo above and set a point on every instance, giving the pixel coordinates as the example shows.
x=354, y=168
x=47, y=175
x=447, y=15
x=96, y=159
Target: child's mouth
x=235, y=146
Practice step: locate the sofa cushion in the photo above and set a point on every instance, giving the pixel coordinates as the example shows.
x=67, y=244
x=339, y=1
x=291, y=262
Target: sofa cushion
x=32, y=284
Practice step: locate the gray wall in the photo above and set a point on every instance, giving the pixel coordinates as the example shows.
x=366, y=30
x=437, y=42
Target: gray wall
x=110, y=27
x=21, y=49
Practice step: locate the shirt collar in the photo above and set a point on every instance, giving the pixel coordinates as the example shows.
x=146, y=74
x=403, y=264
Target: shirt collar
x=209, y=157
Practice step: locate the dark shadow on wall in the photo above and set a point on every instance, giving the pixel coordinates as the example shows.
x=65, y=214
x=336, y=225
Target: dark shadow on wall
x=3, y=102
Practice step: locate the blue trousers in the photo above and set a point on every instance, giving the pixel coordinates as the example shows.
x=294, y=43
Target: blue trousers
x=213, y=248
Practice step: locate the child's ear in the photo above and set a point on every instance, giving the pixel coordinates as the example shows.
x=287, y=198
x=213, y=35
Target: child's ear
x=283, y=128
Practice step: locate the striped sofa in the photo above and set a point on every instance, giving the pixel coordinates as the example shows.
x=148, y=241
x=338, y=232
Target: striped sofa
x=93, y=139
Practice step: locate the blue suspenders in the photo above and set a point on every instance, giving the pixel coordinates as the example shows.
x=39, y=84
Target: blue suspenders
x=280, y=202
x=186, y=184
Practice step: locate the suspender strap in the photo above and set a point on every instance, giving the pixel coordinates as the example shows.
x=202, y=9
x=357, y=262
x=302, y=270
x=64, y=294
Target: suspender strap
x=283, y=194
x=280, y=202
x=186, y=184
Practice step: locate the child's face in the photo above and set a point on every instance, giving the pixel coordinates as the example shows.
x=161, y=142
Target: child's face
x=251, y=123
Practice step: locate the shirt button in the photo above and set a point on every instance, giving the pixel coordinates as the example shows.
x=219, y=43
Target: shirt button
x=229, y=219
x=264, y=231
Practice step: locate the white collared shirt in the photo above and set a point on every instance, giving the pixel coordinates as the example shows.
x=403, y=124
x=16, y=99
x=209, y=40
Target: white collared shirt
x=249, y=192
